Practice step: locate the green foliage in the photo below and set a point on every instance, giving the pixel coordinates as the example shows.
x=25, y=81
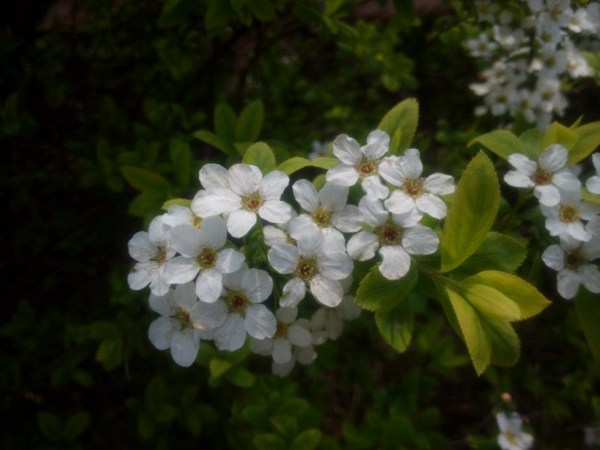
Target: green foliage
x=401, y=124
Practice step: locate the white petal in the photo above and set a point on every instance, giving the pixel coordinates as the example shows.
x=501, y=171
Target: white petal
x=184, y=296
x=399, y=203
x=439, y=184
x=411, y=164
x=213, y=176
x=395, y=262
x=523, y=164
x=292, y=293
x=374, y=187
x=257, y=284
x=232, y=334
x=372, y=211
x=140, y=277
x=378, y=143
x=591, y=277
x=229, y=260
x=275, y=211
x=593, y=184
x=347, y=150
x=568, y=283
x=160, y=304
x=362, y=245
x=209, y=285
x=342, y=174
x=283, y=258
x=160, y=332
x=518, y=179
x=553, y=158
x=180, y=270
x=185, y=239
x=240, y=222
x=244, y=179
x=140, y=247
x=283, y=370
x=577, y=230
x=212, y=233
x=261, y=346
x=209, y=316
x=389, y=170
x=554, y=257
x=273, y=184
x=274, y=235
x=299, y=336
x=306, y=195
x=157, y=230
x=260, y=322
x=184, y=348
x=335, y=266
x=282, y=351
x=547, y=194
x=158, y=285
x=432, y=205
x=333, y=196
x=216, y=201
x=566, y=181
x=327, y=292
x=348, y=219
x=420, y=240
x=286, y=315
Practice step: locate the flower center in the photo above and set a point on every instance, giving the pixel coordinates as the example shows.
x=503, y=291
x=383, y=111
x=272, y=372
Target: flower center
x=568, y=214
x=208, y=258
x=306, y=269
x=389, y=234
x=197, y=221
x=511, y=437
x=574, y=260
x=542, y=177
x=161, y=254
x=322, y=217
x=282, y=330
x=366, y=168
x=184, y=318
x=413, y=188
x=252, y=202
x=236, y=302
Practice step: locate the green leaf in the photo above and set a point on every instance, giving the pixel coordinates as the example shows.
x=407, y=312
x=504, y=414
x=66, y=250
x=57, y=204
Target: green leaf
x=404, y=118
x=76, y=424
x=225, y=122
x=533, y=142
x=396, y=326
x=501, y=142
x=49, y=424
x=145, y=180
x=240, y=377
x=526, y=296
x=216, y=141
x=250, y=122
x=377, y=293
x=294, y=164
x=587, y=196
x=559, y=134
x=472, y=212
x=587, y=306
x=218, y=367
x=323, y=162
x=472, y=330
x=589, y=140
x=497, y=252
x=504, y=342
x=181, y=158
x=177, y=201
x=110, y=353
x=268, y=441
x=260, y=155
x=146, y=204
x=293, y=407
x=490, y=302
x=307, y=440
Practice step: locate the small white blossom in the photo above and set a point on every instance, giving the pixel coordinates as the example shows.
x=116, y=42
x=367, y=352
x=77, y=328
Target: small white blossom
x=417, y=194
x=593, y=183
x=511, y=436
x=175, y=328
x=242, y=195
x=547, y=177
x=566, y=218
x=151, y=250
x=360, y=163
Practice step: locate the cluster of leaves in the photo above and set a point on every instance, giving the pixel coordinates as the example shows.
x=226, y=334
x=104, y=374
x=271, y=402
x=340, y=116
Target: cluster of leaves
x=112, y=112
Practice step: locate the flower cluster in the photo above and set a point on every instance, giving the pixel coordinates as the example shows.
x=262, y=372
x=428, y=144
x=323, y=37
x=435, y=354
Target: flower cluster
x=569, y=217
x=528, y=50
x=238, y=263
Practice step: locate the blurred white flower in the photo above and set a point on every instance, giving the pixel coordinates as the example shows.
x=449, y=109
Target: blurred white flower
x=511, y=436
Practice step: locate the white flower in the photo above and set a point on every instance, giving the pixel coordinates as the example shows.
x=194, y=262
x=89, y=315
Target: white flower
x=397, y=236
x=290, y=332
x=327, y=324
x=360, y=163
x=328, y=210
x=547, y=177
x=548, y=96
x=178, y=215
x=243, y=194
x=593, y=183
x=566, y=218
x=511, y=436
x=481, y=47
x=175, y=328
x=202, y=257
x=572, y=260
x=151, y=250
x=417, y=194
x=239, y=311
x=315, y=262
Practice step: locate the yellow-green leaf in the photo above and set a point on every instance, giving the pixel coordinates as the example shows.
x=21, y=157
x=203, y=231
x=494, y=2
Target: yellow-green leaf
x=589, y=140
x=501, y=142
x=504, y=342
x=260, y=155
x=559, y=134
x=491, y=302
x=404, y=118
x=377, y=293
